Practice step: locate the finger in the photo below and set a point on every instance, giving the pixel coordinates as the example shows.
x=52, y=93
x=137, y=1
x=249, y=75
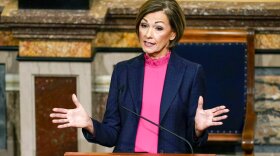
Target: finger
x=64, y=125
x=219, y=112
x=60, y=110
x=219, y=118
x=217, y=123
x=215, y=109
x=58, y=115
x=75, y=100
x=60, y=121
x=200, y=102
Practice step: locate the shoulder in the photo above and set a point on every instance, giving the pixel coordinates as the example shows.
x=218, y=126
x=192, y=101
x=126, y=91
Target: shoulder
x=190, y=65
x=135, y=61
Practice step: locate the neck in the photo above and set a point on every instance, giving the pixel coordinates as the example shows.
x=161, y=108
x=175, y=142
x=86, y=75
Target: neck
x=158, y=55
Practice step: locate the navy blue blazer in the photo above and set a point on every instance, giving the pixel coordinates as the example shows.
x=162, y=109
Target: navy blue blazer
x=184, y=83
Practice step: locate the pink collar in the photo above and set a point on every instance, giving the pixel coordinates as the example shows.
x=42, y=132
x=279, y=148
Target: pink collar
x=157, y=62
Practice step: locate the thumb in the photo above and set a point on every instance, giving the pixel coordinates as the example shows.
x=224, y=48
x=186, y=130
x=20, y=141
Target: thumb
x=200, y=103
x=75, y=100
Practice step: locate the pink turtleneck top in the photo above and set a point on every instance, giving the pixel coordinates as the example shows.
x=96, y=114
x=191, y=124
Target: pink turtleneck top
x=154, y=76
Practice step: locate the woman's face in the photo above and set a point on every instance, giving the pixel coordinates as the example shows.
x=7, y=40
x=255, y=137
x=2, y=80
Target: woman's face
x=155, y=34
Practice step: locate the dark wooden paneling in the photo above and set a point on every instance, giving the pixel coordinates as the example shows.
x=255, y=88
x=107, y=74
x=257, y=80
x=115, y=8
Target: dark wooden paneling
x=53, y=92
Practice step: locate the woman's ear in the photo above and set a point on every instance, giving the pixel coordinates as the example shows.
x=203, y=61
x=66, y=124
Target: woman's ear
x=172, y=36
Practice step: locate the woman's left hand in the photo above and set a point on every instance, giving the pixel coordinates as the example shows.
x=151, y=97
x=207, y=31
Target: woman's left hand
x=209, y=117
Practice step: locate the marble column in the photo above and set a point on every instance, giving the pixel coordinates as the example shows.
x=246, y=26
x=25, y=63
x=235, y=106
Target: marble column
x=29, y=73
x=3, y=131
x=55, y=56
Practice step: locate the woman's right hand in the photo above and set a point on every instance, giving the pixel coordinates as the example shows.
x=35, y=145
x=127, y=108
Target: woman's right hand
x=77, y=117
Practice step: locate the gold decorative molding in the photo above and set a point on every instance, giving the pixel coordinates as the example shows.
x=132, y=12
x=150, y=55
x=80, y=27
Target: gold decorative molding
x=267, y=41
x=74, y=49
x=7, y=39
x=116, y=39
x=4, y=2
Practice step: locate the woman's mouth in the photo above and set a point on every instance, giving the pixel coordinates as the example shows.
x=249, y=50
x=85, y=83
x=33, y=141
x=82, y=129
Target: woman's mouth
x=148, y=44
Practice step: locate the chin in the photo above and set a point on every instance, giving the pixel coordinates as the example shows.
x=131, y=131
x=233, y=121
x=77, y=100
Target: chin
x=148, y=51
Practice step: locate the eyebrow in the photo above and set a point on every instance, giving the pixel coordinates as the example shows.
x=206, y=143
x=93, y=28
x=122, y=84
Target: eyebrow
x=155, y=22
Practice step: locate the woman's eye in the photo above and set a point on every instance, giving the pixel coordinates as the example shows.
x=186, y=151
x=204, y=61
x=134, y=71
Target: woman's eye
x=159, y=28
x=143, y=25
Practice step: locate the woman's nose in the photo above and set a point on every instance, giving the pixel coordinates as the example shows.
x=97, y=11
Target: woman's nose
x=149, y=33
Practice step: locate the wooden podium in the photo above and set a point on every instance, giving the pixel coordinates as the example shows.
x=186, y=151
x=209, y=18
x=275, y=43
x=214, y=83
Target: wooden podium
x=127, y=154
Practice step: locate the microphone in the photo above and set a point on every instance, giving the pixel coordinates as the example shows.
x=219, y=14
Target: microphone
x=182, y=138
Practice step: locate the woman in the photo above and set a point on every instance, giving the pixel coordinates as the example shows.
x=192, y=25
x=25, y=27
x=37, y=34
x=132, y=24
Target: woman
x=158, y=85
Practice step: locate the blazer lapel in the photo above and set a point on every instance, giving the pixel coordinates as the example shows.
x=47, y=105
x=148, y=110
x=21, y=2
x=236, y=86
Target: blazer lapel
x=135, y=81
x=173, y=78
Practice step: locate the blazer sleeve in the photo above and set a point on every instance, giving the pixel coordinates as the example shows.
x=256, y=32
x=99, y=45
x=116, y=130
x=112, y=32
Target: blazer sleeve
x=107, y=132
x=198, y=89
